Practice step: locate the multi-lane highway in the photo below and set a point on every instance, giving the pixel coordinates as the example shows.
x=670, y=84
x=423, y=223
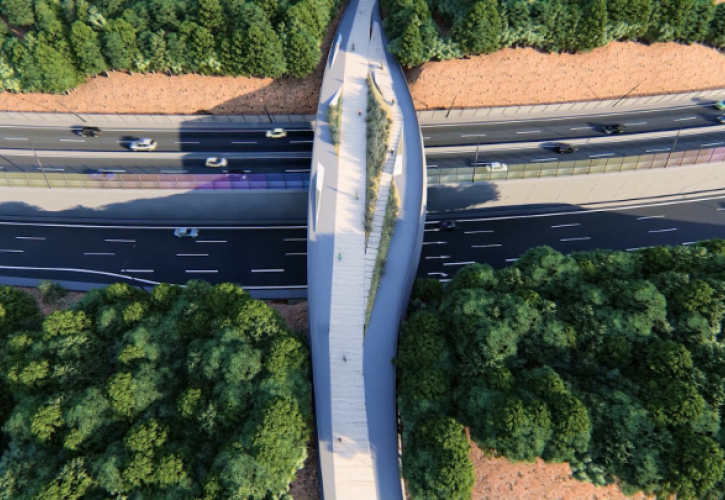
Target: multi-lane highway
x=501, y=240
x=515, y=129
x=255, y=257
x=547, y=152
x=247, y=149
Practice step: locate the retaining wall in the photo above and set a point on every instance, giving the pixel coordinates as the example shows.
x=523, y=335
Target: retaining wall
x=590, y=191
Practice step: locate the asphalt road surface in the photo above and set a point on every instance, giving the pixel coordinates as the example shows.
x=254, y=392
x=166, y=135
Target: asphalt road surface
x=591, y=151
x=499, y=241
x=133, y=165
x=510, y=129
x=200, y=139
x=255, y=257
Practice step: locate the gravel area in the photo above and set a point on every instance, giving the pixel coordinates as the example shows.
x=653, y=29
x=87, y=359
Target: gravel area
x=527, y=76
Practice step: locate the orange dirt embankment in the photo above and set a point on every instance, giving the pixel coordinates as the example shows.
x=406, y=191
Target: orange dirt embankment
x=527, y=76
x=499, y=479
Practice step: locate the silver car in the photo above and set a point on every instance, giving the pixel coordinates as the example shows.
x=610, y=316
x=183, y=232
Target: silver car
x=216, y=162
x=143, y=145
x=276, y=133
x=186, y=232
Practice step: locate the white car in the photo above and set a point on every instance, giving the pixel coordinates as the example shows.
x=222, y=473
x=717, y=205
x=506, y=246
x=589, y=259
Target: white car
x=186, y=232
x=143, y=145
x=492, y=166
x=276, y=133
x=216, y=162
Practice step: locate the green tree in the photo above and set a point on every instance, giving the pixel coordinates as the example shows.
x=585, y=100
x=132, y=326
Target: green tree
x=119, y=44
x=262, y=53
x=18, y=12
x=480, y=31
x=87, y=49
x=436, y=463
x=408, y=48
x=210, y=14
x=303, y=53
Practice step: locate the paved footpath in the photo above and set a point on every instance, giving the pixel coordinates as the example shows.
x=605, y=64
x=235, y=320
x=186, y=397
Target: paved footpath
x=354, y=477
x=148, y=121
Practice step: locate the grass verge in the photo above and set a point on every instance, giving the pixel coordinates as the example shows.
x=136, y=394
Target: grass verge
x=378, y=133
x=391, y=215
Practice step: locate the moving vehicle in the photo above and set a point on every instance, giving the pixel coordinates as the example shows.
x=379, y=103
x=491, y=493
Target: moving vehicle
x=720, y=105
x=143, y=145
x=89, y=132
x=186, y=232
x=216, y=162
x=566, y=148
x=721, y=118
x=447, y=225
x=492, y=166
x=276, y=133
x=614, y=129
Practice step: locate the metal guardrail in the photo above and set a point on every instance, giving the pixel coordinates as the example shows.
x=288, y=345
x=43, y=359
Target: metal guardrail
x=217, y=182
x=469, y=175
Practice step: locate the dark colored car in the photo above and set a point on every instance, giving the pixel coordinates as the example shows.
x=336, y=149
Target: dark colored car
x=90, y=132
x=447, y=225
x=566, y=148
x=614, y=129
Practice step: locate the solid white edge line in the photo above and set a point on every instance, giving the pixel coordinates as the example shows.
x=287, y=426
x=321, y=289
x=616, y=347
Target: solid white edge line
x=512, y=260
x=72, y=270
x=685, y=119
x=4, y=250
x=567, y=225
x=137, y=270
x=635, y=123
x=658, y=150
x=493, y=245
x=293, y=254
x=267, y=270
x=668, y=230
x=98, y=253
x=651, y=217
x=711, y=144
x=211, y=241
x=601, y=155
x=476, y=232
x=192, y=255
x=458, y=263
x=201, y=271
x=115, y=275
x=294, y=239
x=112, y=240
x=585, y=238
x=438, y=257
x=39, y=238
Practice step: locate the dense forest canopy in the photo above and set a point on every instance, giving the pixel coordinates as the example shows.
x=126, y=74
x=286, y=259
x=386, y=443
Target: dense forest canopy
x=199, y=393
x=611, y=361
x=51, y=45
x=469, y=27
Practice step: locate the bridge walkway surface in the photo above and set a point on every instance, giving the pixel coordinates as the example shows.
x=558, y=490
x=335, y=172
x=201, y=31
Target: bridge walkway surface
x=353, y=374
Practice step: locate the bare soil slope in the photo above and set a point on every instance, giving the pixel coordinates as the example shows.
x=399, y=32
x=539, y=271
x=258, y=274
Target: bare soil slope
x=527, y=76
x=499, y=479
